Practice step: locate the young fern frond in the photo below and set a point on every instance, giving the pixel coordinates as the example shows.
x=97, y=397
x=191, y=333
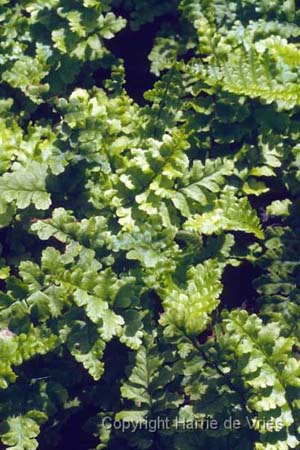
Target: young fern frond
x=228, y=213
x=256, y=75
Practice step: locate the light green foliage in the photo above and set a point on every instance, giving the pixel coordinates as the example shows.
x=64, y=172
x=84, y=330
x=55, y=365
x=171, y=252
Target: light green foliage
x=163, y=55
x=228, y=213
x=27, y=74
x=75, y=34
x=206, y=179
x=279, y=207
x=187, y=310
x=270, y=373
x=25, y=186
x=121, y=225
x=91, y=233
x=11, y=136
x=22, y=433
x=254, y=74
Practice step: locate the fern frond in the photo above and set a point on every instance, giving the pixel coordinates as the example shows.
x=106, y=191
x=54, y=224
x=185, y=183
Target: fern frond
x=24, y=186
x=279, y=294
x=270, y=372
x=256, y=76
x=228, y=213
x=187, y=310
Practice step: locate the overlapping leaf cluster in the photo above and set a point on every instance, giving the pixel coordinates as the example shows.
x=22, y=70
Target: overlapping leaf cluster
x=119, y=222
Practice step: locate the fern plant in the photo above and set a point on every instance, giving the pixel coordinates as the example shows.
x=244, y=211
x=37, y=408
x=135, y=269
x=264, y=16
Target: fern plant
x=119, y=225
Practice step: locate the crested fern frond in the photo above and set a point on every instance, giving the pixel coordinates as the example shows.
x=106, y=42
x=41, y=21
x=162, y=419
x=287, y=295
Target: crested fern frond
x=257, y=76
x=228, y=213
x=270, y=372
x=187, y=310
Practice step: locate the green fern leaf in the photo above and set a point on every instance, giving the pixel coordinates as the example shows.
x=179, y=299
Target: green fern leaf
x=25, y=186
x=229, y=213
x=22, y=433
x=187, y=310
